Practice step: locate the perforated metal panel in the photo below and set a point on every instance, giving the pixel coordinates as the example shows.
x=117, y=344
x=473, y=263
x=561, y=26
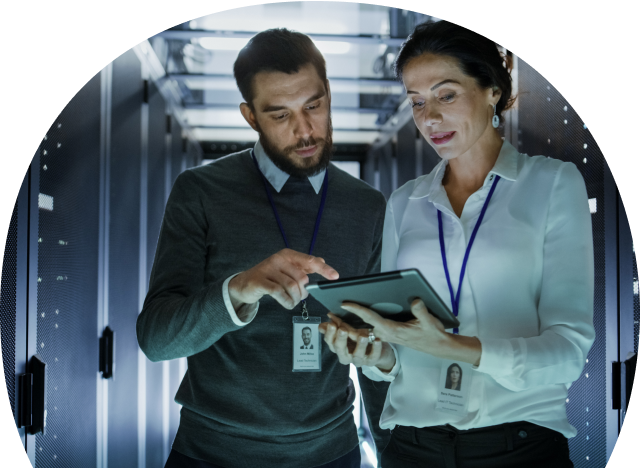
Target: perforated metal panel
x=636, y=304
x=124, y=228
x=68, y=281
x=156, y=204
x=156, y=171
x=549, y=126
x=177, y=154
x=8, y=307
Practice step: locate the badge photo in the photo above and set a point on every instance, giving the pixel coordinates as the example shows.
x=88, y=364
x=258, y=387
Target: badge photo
x=453, y=388
x=307, y=346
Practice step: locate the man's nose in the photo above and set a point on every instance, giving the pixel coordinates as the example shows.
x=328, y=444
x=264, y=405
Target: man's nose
x=303, y=128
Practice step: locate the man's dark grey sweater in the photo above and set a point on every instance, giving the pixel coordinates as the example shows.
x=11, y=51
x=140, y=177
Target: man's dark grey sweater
x=242, y=404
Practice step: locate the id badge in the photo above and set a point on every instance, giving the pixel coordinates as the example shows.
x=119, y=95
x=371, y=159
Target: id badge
x=453, y=388
x=307, y=346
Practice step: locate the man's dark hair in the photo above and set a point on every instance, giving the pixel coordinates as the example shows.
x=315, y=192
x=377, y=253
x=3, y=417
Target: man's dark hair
x=478, y=56
x=278, y=50
x=307, y=328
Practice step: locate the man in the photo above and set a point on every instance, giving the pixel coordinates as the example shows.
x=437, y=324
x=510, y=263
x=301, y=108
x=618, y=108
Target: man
x=224, y=291
x=306, y=338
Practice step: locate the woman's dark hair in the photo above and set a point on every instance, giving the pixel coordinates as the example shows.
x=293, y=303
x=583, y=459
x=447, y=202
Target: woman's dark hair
x=478, y=56
x=447, y=383
x=278, y=50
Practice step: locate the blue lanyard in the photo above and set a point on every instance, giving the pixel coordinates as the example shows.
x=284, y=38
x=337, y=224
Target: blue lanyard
x=456, y=300
x=325, y=189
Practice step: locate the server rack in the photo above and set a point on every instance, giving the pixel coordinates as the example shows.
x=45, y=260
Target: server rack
x=79, y=253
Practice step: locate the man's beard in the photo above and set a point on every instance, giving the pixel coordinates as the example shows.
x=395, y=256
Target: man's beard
x=283, y=162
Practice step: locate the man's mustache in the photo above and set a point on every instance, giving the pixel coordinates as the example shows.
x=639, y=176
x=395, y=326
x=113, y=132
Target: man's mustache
x=311, y=141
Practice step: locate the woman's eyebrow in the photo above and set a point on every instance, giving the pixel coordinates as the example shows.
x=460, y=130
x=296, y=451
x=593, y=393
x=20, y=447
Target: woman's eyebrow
x=442, y=83
x=435, y=86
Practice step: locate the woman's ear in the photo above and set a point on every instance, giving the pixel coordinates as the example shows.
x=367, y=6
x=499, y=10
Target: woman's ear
x=496, y=94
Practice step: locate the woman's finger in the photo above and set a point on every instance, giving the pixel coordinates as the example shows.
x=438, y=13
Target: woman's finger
x=335, y=318
x=374, y=355
x=330, y=336
x=341, y=347
x=359, y=354
x=420, y=311
x=382, y=327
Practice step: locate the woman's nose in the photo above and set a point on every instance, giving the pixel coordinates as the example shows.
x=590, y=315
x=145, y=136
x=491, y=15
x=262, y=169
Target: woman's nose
x=432, y=116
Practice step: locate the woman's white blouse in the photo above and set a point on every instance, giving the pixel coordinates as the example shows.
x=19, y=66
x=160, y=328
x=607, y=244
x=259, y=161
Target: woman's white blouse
x=527, y=292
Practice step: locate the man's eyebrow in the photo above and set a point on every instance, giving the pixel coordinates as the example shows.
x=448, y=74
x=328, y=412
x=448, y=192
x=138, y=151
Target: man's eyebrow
x=318, y=95
x=434, y=87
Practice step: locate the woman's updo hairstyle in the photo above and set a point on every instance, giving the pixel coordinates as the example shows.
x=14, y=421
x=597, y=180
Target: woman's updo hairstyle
x=478, y=56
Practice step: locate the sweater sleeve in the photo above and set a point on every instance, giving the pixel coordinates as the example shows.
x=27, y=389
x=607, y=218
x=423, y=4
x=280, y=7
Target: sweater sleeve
x=182, y=315
x=565, y=308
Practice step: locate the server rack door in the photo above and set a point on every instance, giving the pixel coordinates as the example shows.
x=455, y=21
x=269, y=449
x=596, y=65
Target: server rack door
x=8, y=308
x=123, y=254
x=385, y=169
x=67, y=297
x=406, y=153
x=174, y=370
x=178, y=162
x=627, y=300
x=13, y=302
x=156, y=199
x=549, y=126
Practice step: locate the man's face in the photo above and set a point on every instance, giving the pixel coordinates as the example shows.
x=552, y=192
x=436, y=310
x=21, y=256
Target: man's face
x=292, y=114
x=306, y=336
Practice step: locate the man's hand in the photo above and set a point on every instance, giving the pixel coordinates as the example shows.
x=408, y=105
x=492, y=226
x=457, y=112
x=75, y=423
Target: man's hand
x=281, y=276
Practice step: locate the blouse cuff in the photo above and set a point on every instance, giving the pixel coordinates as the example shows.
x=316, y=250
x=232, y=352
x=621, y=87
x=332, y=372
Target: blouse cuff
x=376, y=374
x=497, y=357
x=247, y=311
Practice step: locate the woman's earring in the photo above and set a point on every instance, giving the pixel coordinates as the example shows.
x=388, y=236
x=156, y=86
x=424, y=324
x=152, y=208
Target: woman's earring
x=496, y=120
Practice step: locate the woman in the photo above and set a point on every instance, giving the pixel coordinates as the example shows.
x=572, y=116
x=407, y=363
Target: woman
x=454, y=377
x=505, y=239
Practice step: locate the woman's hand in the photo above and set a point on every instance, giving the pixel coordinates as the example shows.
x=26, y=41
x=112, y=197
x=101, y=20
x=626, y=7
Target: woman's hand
x=425, y=333
x=352, y=346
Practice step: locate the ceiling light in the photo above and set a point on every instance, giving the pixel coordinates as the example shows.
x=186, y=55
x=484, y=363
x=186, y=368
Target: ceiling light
x=223, y=43
x=237, y=43
x=333, y=47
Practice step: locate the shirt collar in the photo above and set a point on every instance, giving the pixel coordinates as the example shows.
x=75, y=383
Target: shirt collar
x=276, y=176
x=506, y=167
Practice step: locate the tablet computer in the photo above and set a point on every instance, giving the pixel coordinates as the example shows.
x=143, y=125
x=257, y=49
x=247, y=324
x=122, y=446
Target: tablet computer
x=389, y=294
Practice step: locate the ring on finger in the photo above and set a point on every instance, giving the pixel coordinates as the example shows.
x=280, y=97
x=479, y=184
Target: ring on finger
x=372, y=337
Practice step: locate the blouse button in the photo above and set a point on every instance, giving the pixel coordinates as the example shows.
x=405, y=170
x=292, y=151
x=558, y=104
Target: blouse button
x=522, y=434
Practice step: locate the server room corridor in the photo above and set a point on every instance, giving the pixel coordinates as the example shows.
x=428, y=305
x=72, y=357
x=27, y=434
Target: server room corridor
x=83, y=235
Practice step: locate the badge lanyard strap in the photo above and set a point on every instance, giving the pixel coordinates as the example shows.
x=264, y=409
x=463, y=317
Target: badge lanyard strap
x=456, y=300
x=325, y=188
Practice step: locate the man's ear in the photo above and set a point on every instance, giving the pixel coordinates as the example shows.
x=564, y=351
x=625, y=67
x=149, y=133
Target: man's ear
x=248, y=115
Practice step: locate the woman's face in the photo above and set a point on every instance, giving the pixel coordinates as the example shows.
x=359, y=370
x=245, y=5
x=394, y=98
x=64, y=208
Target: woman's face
x=449, y=108
x=454, y=375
